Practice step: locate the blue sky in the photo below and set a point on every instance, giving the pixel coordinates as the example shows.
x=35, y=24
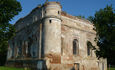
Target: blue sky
x=73, y=7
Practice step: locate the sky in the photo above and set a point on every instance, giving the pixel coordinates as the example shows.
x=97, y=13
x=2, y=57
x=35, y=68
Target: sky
x=74, y=7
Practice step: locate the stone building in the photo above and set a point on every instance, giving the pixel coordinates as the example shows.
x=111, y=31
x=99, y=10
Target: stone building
x=51, y=39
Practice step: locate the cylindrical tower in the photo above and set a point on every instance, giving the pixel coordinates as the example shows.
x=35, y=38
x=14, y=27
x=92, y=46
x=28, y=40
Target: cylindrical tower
x=52, y=29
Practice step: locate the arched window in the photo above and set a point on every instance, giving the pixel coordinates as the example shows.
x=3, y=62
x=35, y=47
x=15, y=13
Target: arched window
x=23, y=48
x=75, y=47
x=30, y=41
x=89, y=48
x=13, y=49
x=20, y=48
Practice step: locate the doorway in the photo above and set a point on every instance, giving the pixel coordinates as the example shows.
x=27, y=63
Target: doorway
x=77, y=66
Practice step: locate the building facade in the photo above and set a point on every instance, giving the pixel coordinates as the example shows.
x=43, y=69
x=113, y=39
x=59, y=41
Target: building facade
x=50, y=39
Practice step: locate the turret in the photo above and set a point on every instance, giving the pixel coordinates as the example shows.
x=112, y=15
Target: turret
x=52, y=29
x=52, y=9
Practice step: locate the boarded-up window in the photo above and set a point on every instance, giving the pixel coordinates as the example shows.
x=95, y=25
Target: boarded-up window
x=75, y=47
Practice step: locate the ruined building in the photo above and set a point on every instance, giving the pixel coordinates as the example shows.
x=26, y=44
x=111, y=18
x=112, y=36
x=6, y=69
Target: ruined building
x=50, y=39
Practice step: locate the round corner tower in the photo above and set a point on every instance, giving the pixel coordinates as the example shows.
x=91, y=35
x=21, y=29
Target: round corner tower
x=52, y=29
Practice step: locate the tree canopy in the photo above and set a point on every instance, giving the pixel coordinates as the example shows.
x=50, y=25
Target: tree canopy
x=104, y=22
x=8, y=9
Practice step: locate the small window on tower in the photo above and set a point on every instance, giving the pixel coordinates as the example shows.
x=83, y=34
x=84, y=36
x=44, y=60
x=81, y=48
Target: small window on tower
x=45, y=12
x=58, y=12
x=50, y=21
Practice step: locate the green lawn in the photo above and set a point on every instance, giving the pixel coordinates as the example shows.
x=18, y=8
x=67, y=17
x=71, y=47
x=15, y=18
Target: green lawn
x=10, y=68
x=111, y=69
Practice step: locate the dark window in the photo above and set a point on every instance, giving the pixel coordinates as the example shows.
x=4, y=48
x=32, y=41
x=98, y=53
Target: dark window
x=62, y=45
x=20, y=48
x=89, y=48
x=30, y=41
x=13, y=49
x=58, y=12
x=24, y=48
x=75, y=47
x=45, y=12
x=34, y=54
x=50, y=21
x=76, y=66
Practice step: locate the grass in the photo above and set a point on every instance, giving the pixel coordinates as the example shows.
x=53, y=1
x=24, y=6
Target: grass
x=10, y=68
x=111, y=69
x=13, y=68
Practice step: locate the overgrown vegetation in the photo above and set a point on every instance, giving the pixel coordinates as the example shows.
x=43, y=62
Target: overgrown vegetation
x=104, y=22
x=8, y=9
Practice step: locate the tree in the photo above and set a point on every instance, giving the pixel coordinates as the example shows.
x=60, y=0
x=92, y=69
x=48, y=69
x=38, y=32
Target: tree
x=8, y=9
x=104, y=22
